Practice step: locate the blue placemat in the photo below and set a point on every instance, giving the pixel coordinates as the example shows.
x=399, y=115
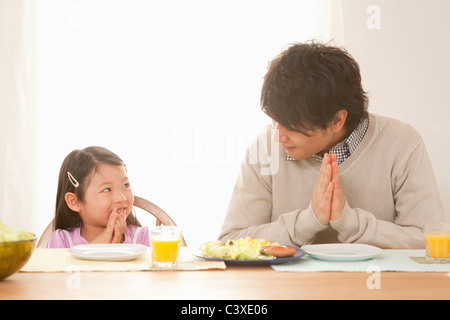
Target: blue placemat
x=389, y=260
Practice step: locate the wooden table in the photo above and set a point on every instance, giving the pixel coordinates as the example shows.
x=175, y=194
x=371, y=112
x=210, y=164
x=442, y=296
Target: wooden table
x=236, y=282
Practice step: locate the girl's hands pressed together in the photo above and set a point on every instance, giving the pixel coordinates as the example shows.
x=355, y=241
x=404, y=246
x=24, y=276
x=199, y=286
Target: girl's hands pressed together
x=120, y=226
x=115, y=229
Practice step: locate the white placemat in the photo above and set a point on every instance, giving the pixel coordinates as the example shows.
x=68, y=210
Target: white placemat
x=389, y=260
x=60, y=260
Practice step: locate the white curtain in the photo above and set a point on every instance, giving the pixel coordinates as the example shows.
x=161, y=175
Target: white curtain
x=18, y=183
x=172, y=87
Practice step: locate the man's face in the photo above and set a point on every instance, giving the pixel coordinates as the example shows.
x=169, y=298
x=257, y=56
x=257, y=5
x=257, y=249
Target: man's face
x=298, y=146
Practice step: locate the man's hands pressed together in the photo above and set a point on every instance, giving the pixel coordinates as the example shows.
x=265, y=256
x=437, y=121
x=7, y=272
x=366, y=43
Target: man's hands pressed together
x=328, y=199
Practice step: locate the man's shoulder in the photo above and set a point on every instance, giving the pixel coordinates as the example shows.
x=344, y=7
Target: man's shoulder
x=395, y=129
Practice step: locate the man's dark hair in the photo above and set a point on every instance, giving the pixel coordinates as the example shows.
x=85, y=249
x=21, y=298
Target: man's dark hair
x=308, y=83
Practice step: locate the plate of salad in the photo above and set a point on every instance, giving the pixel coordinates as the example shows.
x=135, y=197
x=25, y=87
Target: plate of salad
x=246, y=251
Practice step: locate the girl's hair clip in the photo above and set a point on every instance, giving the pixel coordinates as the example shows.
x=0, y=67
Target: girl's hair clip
x=72, y=180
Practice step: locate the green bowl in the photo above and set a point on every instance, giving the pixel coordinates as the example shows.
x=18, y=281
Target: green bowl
x=14, y=255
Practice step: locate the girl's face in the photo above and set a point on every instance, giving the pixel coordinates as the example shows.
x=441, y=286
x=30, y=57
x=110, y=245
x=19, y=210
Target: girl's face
x=108, y=189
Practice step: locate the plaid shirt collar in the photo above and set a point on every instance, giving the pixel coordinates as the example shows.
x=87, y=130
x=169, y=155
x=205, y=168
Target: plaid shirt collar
x=346, y=147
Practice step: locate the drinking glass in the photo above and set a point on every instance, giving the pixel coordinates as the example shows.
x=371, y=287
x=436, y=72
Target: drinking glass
x=164, y=243
x=437, y=242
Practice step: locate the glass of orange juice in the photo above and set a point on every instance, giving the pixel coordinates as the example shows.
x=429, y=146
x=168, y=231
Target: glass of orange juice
x=164, y=242
x=437, y=242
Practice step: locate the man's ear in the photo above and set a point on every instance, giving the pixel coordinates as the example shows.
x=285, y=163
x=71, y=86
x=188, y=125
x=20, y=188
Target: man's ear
x=72, y=201
x=338, y=122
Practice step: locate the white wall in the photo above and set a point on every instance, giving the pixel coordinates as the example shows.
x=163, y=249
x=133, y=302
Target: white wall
x=403, y=48
x=172, y=87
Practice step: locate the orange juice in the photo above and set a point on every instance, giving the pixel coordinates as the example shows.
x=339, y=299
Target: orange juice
x=437, y=244
x=164, y=241
x=164, y=250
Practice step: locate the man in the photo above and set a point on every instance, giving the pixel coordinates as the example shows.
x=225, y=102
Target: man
x=341, y=174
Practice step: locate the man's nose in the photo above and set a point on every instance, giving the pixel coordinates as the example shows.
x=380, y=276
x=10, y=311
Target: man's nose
x=279, y=134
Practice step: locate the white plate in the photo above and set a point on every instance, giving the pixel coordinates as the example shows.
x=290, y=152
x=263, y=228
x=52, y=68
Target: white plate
x=108, y=252
x=342, y=251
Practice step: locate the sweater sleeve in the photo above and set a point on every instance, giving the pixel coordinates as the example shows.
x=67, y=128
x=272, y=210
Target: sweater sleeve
x=250, y=210
x=417, y=202
x=58, y=239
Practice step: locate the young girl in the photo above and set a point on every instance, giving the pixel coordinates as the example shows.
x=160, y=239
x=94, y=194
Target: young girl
x=94, y=201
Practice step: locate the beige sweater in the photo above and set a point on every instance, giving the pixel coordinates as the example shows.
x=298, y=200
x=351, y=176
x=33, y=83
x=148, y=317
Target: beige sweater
x=388, y=182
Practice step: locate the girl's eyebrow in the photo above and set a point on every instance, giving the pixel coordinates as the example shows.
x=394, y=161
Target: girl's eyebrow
x=109, y=182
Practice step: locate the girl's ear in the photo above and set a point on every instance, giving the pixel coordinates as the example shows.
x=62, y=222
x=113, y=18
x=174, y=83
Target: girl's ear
x=72, y=201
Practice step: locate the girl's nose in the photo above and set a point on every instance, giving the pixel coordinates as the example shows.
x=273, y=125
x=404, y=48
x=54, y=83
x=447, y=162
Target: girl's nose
x=120, y=197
